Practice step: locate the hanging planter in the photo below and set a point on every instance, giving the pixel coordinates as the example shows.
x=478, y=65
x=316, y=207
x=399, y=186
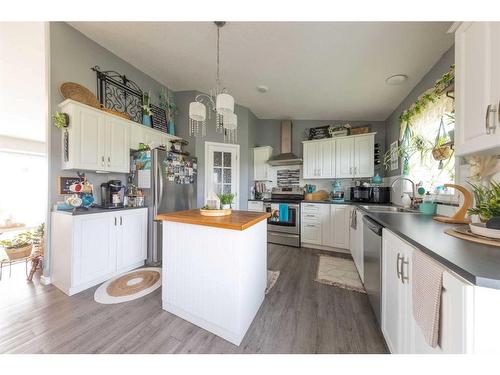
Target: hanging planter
x=443, y=145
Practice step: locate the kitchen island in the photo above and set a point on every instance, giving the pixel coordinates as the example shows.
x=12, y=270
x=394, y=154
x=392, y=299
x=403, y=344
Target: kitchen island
x=215, y=269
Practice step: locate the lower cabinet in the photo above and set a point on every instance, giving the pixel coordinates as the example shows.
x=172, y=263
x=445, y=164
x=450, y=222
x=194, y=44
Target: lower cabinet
x=256, y=206
x=325, y=226
x=356, y=241
x=401, y=332
x=89, y=249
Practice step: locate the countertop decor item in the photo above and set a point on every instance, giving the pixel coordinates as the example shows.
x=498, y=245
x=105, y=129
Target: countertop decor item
x=225, y=200
x=481, y=230
x=487, y=201
x=210, y=212
x=459, y=217
x=320, y=195
x=464, y=233
x=219, y=101
x=427, y=208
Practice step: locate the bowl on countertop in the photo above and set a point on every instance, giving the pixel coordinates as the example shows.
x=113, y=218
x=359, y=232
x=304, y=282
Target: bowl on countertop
x=481, y=230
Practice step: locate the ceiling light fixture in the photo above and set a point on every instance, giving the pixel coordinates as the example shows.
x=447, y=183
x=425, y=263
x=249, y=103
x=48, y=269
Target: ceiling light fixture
x=397, y=79
x=263, y=89
x=219, y=102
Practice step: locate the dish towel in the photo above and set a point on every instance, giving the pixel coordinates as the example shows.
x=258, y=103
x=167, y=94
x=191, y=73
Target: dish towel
x=354, y=223
x=283, y=212
x=426, y=287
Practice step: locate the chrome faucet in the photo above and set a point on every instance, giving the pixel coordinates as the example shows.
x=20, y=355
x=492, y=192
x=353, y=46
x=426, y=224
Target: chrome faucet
x=413, y=196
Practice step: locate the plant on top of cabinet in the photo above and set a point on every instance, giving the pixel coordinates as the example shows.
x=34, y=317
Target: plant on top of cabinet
x=146, y=109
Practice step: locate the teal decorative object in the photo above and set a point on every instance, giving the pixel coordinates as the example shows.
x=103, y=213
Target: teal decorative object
x=171, y=127
x=427, y=208
x=146, y=120
x=377, y=180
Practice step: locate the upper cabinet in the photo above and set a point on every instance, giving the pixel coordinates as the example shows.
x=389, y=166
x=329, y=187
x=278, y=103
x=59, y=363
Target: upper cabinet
x=319, y=159
x=342, y=157
x=261, y=170
x=477, y=87
x=99, y=141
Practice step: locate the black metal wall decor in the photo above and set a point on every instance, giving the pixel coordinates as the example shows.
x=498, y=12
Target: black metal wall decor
x=117, y=92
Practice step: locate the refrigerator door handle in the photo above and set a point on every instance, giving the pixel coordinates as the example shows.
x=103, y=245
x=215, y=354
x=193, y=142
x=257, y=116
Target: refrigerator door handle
x=160, y=187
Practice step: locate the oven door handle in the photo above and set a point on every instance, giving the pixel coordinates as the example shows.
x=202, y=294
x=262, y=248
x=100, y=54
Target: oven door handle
x=287, y=235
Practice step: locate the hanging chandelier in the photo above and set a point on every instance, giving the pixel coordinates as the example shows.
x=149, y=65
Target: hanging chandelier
x=219, y=102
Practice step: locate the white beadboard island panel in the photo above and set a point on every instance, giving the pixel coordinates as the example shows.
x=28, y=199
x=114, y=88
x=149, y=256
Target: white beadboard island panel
x=213, y=277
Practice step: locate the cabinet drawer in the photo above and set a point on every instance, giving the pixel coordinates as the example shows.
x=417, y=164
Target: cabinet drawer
x=311, y=216
x=310, y=207
x=311, y=233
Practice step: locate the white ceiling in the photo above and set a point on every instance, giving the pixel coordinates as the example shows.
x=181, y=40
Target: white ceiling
x=314, y=70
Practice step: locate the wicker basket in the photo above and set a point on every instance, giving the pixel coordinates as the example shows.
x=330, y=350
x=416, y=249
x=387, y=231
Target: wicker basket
x=79, y=93
x=19, y=253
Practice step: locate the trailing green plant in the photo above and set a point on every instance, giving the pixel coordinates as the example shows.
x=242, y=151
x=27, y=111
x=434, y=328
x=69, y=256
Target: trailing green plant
x=61, y=120
x=430, y=96
x=405, y=150
x=487, y=201
x=146, y=104
x=226, y=198
x=21, y=240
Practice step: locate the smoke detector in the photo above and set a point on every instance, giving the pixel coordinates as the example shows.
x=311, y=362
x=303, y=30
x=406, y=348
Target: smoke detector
x=262, y=89
x=396, y=80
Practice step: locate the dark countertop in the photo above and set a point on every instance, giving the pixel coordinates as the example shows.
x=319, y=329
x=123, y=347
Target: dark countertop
x=479, y=264
x=95, y=210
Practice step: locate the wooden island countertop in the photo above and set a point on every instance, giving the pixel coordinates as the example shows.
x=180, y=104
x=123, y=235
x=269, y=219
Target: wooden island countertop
x=238, y=220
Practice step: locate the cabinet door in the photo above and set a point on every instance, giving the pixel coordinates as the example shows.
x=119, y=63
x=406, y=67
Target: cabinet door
x=94, y=247
x=344, y=158
x=363, y=156
x=310, y=156
x=137, y=135
x=132, y=242
x=260, y=167
x=356, y=241
x=476, y=47
x=326, y=159
x=339, y=226
x=117, y=146
x=87, y=140
x=392, y=294
x=311, y=232
x=326, y=224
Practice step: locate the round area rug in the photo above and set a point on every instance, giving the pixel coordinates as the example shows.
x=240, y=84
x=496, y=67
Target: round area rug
x=129, y=286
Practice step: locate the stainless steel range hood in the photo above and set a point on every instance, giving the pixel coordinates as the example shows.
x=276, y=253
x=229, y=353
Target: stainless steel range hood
x=286, y=157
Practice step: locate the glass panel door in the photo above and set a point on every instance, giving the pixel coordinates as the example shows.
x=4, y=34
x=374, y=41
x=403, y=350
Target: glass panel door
x=222, y=170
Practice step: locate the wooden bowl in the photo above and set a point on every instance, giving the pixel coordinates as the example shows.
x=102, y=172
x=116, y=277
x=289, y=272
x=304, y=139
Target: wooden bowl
x=215, y=212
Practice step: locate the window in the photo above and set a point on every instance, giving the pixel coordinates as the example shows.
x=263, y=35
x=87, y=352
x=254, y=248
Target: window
x=435, y=126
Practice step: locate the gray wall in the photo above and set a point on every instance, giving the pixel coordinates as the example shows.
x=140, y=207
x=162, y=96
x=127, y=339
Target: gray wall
x=72, y=55
x=441, y=67
x=246, y=129
x=268, y=134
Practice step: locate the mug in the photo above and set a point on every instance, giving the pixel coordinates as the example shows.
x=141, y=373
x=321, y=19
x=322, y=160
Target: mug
x=76, y=187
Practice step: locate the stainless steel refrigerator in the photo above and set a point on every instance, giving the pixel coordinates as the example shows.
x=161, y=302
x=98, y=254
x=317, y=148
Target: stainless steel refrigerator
x=168, y=180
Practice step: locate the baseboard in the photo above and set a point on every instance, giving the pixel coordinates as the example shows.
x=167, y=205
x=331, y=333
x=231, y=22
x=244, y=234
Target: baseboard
x=45, y=280
x=322, y=247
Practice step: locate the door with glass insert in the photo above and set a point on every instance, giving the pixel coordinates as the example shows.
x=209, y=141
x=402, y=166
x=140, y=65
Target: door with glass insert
x=222, y=170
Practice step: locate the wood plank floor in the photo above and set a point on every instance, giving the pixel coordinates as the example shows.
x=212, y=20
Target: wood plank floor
x=298, y=316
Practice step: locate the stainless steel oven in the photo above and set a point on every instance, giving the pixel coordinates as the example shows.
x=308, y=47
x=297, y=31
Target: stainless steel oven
x=283, y=227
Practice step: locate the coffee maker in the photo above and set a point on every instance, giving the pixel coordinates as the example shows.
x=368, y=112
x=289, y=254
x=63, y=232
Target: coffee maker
x=112, y=194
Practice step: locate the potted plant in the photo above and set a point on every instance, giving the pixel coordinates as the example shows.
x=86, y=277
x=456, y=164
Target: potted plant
x=146, y=109
x=19, y=247
x=225, y=200
x=487, y=201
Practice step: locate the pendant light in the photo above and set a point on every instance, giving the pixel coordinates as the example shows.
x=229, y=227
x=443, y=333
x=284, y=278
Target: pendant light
x=219, y=102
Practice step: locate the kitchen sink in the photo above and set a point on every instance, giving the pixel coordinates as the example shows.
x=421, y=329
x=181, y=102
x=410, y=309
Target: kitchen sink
x=389, y=209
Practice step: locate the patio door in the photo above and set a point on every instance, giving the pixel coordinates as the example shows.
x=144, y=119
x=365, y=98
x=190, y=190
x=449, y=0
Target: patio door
x=222, y=170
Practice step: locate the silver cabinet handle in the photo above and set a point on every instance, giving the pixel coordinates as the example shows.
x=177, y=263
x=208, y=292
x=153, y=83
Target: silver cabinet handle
x=102, y=158
x=310, y=215
x=403, y=277
x=398, y=270
x=109, y=161
x=350, y=170
x=115, y=221
x=489, y=127
x=121, y=220
x=311, y=226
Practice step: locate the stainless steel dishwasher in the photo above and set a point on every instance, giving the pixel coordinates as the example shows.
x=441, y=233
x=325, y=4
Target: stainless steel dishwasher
x=372, y=265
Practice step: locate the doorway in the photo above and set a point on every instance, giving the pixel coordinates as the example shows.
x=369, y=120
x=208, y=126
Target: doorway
x=222, y=170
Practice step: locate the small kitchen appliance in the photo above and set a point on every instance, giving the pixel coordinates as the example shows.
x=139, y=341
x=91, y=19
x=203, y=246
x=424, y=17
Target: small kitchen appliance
x=112, y=194
x=371, y=194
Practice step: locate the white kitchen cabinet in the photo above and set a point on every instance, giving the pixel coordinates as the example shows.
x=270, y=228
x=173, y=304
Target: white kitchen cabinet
x=88, y=249
x=99, y=141
x=131, y=239
x=325, y=226
x=262, y=170
x=356, y=241
x=355, y=156
x=400, y=330
x=319, y=159
x=477, y=87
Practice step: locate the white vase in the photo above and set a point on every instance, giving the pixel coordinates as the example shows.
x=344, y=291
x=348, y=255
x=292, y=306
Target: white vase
x=226, y=206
